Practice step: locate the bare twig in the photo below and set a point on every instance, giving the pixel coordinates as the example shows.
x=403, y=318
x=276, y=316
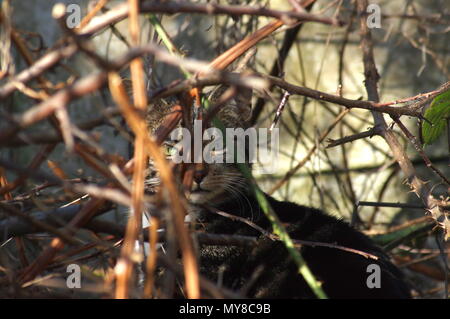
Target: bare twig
x=295, y=241
x=370, y=71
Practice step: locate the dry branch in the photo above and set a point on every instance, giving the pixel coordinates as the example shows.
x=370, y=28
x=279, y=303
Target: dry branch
x=418, y=186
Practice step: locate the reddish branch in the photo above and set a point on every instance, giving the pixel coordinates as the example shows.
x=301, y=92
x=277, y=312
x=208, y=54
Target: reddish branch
x=120, y=12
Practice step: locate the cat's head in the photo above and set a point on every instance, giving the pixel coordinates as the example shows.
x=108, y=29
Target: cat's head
x=215, y=183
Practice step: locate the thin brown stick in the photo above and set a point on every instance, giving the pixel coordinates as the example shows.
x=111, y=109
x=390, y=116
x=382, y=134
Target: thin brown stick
x=124, y=265
x=151, y=258
x=176, y=203
x=88, y=17
x=120, y=12
x=322, y=96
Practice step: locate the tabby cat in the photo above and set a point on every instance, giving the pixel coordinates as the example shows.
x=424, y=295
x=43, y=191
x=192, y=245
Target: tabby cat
x=267, y=270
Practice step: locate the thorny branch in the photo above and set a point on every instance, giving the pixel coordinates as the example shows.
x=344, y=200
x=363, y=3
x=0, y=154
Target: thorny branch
x=421, y=188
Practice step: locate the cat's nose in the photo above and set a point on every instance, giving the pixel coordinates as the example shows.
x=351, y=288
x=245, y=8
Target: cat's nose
x=199, y=175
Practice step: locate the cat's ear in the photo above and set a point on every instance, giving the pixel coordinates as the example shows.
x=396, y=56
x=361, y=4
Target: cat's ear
x=243, y=101
x=243, y=97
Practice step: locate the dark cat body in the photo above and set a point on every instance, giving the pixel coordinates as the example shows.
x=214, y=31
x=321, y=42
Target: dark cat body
x=343, y=274
x=266, y=270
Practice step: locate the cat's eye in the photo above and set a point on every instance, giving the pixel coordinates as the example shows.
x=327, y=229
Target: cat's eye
x=169, y=150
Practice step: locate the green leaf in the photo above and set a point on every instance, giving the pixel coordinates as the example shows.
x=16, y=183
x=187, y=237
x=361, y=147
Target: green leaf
x=437, y=114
